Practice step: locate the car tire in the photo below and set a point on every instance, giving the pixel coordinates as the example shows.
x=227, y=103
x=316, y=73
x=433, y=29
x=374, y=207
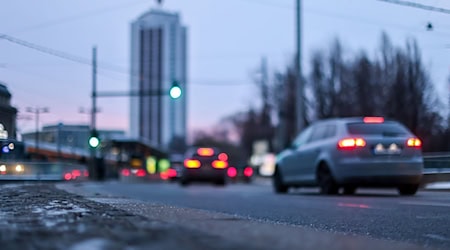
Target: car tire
x=278, y=184
x=408, y=189
x=326, y=181
x=221, y=182
x=349, y=190
x=184, y=182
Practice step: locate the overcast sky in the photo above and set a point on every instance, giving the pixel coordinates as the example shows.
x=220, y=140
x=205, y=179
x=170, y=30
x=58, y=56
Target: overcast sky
x=227, y=40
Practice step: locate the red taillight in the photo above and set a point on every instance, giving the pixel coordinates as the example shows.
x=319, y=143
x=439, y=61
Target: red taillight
x=76, y=173
x=373, y=119
x=223, y=157
x=164, y=175
x=232, y=172
x=68, y=176
x=205, y=151
x=192, y=163
x=351, y=143
x=140, y=173
x=414, y=142
x=125, y=172
x=219, y=164
x=86, y=173
x=248, y=171
x=172, y=173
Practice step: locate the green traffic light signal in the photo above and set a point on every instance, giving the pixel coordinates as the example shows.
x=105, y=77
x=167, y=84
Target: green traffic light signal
x=175, y=91
x=94, y=140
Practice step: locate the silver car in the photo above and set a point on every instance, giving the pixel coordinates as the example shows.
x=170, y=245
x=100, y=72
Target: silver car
x=349, y=153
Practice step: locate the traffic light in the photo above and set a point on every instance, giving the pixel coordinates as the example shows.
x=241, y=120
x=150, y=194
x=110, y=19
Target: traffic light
x=175, y=91
x=94, y=140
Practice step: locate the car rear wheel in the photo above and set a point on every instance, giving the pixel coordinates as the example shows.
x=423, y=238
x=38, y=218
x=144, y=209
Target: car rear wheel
x=220, y=182
x=278, y=184
x=408, y=189
x=184, y=182
x=326, y=181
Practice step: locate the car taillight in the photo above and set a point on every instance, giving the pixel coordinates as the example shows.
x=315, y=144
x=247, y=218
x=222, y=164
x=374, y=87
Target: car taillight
x=248, y=171
x=192, y=163
x=219, y=164
x=205, y=151
x=68, y=176
x=140, y=173
x=223, y=157
x=76, y=173
x=414, y=142
x=232, y=172
x=172, y=173
x=373, y=119
x=351, y=143
x=125, y=172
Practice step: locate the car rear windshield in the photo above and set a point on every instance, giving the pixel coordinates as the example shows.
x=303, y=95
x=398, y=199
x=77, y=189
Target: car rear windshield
x=384, y=129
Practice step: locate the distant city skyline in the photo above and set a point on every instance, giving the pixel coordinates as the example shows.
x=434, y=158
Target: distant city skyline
x=226, y=43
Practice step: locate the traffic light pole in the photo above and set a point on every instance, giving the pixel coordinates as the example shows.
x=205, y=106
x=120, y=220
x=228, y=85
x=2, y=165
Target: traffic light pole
x=93, y=167
x=95, y=171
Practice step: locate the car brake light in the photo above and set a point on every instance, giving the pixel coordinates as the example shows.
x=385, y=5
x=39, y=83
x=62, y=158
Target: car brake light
x=414, y=142
x=205, y=151
x=192, y=163
x=232, y=172
x=140, y=173
x=223, y=157
x=248, y=171
x=351, y=143
x=373, y=119
x=76, y=173
x=125, y=172
x=68, y=176
x=172, y=173
x=219, y=164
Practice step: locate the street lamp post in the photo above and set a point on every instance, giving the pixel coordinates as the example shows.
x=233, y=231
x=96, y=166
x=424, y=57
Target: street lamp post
x=36, y=111
x=300, y=105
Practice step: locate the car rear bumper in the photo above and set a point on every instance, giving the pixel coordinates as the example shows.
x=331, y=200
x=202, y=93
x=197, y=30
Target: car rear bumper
x=379, y=172
x=203, y=174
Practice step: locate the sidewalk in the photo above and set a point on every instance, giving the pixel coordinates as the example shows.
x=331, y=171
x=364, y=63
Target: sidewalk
x=43, y=217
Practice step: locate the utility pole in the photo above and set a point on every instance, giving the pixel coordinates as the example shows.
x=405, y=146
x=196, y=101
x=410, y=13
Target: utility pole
x=94, y=88
x=300, y=104
x=93, y=151
x=36, y=111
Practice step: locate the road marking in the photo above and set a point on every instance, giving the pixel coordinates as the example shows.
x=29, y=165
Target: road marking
x=425, y=203
x=340, y=204
x=437, y=237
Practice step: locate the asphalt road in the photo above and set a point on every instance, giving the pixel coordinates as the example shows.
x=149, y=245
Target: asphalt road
x=423, y=219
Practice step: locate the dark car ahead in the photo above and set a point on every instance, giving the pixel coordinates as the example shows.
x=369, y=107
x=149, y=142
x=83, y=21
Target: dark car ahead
x=349, y=153
x=202, y=164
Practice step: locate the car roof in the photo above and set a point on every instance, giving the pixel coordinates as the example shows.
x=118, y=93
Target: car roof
x=345, y=120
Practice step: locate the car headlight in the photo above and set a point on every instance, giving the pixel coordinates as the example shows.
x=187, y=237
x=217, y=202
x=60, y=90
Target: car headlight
x=19, y=168
x=2, y=168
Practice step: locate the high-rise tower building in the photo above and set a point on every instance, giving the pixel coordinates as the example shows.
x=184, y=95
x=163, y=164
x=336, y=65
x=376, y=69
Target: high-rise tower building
x=158, y=58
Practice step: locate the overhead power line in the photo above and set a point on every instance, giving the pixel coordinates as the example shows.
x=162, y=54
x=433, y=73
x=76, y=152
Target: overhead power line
x=46, y=50
x=76, y=17
x=418, y=6
x=104, y=66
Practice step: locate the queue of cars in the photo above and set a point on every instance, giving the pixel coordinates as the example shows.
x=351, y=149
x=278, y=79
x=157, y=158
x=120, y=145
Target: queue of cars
x=333, y=154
